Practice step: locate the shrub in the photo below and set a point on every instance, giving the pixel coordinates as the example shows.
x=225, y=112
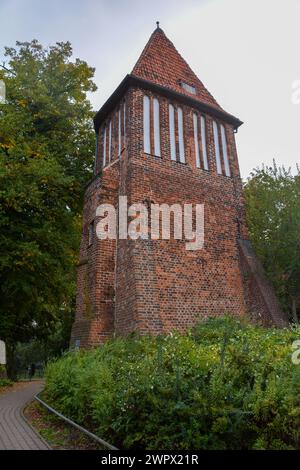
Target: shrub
x=5, y=382
x=223, y=385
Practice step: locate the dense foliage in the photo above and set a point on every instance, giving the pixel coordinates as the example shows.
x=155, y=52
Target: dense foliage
x=46, y=155
x=224, y=385
x=273, y=216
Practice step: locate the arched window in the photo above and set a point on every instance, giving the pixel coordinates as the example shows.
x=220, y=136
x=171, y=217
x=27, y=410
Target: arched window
x=109, y=140
x=172, y=132
x=217, y=148
x=104, y=147
x=224, y=149
x=201, y=156
x=156, y=126
x=146, y=124
x=180, y=135
x=196, y=141
x=203, y=142
x=119, y=133
x=124, y=123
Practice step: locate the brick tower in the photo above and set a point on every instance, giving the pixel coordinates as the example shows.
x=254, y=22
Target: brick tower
x=162, y=138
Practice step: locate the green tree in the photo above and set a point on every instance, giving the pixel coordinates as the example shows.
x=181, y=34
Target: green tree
x=273, y=215
x=46, y=155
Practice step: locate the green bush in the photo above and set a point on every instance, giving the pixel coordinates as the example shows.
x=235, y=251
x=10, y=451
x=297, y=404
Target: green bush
x=5, y=382
x=224, y=385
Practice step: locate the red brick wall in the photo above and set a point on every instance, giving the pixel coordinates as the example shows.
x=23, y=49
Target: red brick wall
x=152, y=286
x=169, y=286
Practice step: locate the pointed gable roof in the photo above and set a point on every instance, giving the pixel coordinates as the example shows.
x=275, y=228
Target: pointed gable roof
x=161, y=69
x=161, y=63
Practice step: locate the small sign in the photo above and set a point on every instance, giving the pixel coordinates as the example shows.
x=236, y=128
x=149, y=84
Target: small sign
x=2, y=353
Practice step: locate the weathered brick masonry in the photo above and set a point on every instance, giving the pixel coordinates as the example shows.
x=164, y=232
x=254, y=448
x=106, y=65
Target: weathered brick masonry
x=152, y=286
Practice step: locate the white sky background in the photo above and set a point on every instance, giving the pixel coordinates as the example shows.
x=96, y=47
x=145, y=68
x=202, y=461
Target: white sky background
x=246, y=52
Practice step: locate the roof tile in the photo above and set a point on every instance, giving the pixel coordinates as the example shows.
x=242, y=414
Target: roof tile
x=161, y=63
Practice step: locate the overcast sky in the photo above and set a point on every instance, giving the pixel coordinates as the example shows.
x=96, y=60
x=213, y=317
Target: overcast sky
x=246, y=52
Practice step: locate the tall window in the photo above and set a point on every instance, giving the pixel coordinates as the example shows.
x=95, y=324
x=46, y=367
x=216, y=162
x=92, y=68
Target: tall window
x=224, y=149
x=180, y=135
x=147, y=124
x=151, y=117
x=96, y=153
x=124, y=123
x=226, y=166
x=109, y=140
x=104, y=148
x=195, y=122
x=119, y=133
x=203, y=142
x=217, y=148
x=172, y=132
x=156, y=126
x=200, y=150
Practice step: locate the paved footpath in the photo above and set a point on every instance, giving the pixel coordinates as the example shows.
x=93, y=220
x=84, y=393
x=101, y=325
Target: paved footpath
x=15, y=434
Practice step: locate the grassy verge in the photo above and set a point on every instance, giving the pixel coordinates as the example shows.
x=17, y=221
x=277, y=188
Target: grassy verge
x=58, y=434
x=5, y=385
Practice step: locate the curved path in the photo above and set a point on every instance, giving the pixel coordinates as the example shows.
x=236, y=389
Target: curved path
x=15, y=433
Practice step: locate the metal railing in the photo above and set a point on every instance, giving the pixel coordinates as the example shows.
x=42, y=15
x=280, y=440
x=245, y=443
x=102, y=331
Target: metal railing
x=75, y=425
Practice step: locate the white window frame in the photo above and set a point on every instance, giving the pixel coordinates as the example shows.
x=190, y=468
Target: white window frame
x=156, y=127
x=104, y=148
x=172, y=132
x=109, y=140
x=196, y=140
x=203, y=142
x=217, y=148
x=146, y=124
x=124, y=123
x=224, y=148
x=180, y=135
x=96, y=152
x=119, y=133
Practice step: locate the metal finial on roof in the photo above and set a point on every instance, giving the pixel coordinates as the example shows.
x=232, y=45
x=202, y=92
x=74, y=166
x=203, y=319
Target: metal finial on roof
x=157, y=24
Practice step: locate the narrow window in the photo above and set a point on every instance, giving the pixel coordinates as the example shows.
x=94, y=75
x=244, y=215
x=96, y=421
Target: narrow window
x=119, y=132
x=180, y=135
x=217, y=148
x=96, y=153
x=147, y=124
x=104, y=147
x=203, y=141
x=224, y=148
x=195, y=119
x=156, y=125
x=91, y=233
x=124, y=123
x=109, y=141
x=172, y=132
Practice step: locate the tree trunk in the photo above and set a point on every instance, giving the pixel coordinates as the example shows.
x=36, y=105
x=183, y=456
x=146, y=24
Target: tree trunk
x=294, y=309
